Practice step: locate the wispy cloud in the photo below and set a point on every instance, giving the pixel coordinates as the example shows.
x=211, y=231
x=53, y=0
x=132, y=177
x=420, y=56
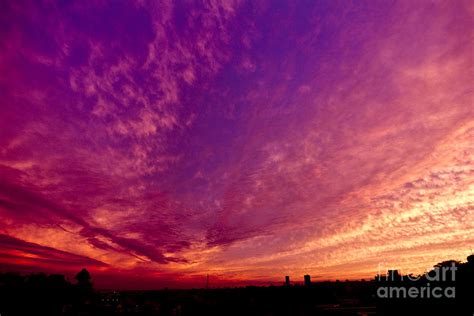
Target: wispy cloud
x=241, y=139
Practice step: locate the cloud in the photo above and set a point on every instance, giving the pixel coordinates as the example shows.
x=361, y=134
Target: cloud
x=245, y=140
x=20, y=252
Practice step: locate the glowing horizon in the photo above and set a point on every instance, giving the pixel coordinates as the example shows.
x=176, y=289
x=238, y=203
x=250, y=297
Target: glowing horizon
x=156, y=143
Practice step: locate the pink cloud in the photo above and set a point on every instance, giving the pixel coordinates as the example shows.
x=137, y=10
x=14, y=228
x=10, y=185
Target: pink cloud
x=248, y=141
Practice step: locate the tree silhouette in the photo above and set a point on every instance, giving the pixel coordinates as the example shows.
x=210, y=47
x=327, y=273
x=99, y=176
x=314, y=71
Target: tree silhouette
x=447, y=264
x=84, y=279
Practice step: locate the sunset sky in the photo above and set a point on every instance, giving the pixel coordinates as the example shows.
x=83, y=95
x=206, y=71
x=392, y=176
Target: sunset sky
x=156, y=142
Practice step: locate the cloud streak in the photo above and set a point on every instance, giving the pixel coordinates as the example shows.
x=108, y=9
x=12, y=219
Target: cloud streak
x=245, y=140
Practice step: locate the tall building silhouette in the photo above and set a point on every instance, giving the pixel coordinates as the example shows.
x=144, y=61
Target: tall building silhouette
x=287, y=280
x=393, y=275
x=307, y=280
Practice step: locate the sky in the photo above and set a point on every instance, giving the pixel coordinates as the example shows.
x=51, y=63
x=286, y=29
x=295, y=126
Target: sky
x=156, y=142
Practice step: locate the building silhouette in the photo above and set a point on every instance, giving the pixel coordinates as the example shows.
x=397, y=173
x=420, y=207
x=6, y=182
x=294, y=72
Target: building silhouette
x=307, y=280
x=287, y=280
x=393, y=275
